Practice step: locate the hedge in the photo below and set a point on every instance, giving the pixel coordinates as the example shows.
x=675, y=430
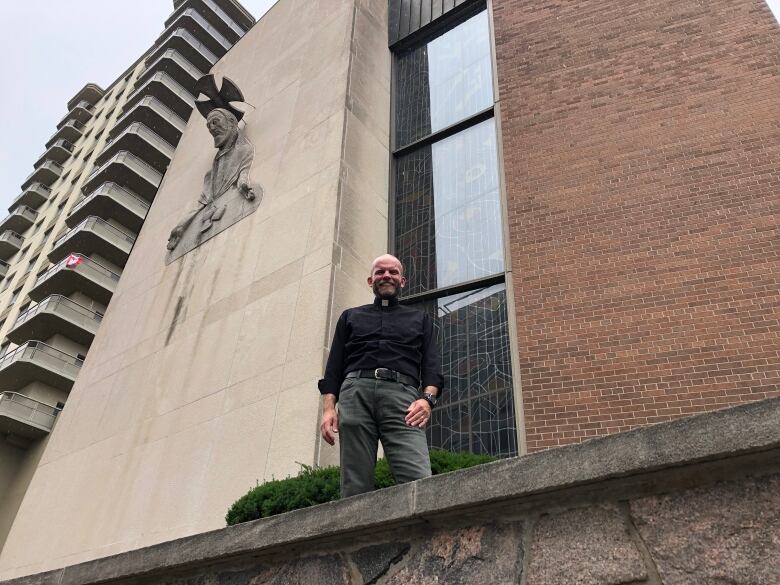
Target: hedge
x=319, y=485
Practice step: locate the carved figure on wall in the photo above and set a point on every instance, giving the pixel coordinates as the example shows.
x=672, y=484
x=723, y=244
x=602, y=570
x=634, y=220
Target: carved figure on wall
x=228, y=182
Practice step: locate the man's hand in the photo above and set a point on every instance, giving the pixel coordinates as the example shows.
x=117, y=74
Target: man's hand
x=418, y=414
x=246, y=190
x=330, y=420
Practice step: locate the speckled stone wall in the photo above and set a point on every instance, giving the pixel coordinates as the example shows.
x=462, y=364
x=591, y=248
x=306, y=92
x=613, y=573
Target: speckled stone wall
x=691, y=502
x=725, y=533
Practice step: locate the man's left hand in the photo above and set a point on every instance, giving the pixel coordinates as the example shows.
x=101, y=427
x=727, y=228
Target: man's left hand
x=418, y=414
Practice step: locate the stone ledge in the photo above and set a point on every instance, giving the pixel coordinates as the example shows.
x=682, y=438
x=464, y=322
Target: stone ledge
x=724, y=435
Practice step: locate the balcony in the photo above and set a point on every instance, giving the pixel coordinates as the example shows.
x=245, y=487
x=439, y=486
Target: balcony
x=200, y=28
x=186, y=44
x=165, y=89
x=56, y=315
x=25, y=417
x=173, y=63
x=127, y=170
x=59, y=152
x=10, y=244
x=142, y=142
x=155, y=115
x=45, y=174
x=76, y=273
x=4, y=268
x=232, y=8
x=34, y=196
x=36, y=361
x=95, y=235
x=229, y=18
x=71, y=131
x=20, y=219
x=81, y=112
x=90, y=93
x=111, y=200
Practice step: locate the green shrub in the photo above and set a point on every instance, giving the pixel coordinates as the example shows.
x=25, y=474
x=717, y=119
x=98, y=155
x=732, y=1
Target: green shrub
x=319, y=485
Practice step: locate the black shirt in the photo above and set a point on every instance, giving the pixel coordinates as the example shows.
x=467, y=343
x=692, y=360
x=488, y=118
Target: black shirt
x=376, y=336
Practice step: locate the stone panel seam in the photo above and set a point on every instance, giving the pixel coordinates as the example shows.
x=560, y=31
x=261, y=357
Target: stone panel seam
x=527, y=536
x=653, y=575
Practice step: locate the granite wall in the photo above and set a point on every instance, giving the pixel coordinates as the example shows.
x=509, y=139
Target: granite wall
x=695, y=501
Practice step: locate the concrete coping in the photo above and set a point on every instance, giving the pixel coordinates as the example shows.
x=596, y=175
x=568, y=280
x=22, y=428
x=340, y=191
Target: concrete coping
x=717, y=436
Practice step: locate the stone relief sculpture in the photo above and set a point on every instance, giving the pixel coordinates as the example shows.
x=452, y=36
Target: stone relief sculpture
x=228, y=194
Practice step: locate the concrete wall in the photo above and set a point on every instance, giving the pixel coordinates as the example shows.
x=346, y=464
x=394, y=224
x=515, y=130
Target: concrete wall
x=641, y=154
x=692, y=502
x=17, y=465
x=202, y=378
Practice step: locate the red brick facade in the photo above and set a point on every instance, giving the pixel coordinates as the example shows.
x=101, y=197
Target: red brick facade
x=642, y=163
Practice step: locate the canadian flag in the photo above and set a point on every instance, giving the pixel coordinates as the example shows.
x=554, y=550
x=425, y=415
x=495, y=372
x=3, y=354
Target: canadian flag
x=73, y=260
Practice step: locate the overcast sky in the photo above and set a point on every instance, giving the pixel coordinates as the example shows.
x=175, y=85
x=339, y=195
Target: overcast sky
x=51, y=48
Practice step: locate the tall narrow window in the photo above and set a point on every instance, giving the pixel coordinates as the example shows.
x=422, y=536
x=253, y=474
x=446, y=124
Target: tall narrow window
x=447, y=230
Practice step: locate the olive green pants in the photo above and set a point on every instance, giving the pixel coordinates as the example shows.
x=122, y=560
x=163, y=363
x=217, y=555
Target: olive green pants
x=371, y=411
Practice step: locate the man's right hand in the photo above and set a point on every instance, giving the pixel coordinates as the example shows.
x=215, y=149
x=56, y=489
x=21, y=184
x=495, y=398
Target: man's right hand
x=330, y=425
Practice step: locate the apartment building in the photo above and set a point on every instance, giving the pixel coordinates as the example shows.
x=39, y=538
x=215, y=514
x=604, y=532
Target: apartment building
x=68, y=234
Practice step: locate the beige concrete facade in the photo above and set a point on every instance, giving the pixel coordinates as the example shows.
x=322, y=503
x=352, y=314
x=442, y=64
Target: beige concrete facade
x=202, y=378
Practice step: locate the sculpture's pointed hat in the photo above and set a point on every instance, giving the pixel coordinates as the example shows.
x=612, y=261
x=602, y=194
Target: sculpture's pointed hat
x=218, y=98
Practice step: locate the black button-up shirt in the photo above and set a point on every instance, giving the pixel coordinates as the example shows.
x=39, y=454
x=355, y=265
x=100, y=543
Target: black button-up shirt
x=376, y=336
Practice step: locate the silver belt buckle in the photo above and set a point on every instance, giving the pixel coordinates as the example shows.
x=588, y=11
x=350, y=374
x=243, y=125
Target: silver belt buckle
x=376, y=374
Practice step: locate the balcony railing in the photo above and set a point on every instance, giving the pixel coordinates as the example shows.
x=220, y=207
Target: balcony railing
x=38, y=361
x=10, y=244
x=82, y=112
x=128, y=170
x=176, y=65
x=25, y=416
x=21, y=218
x=168, y=91
x=185, y=43
x=232, y=25
x=4, y=268
x=34, y=196
x=76, y=273
x=46, y=173
x=234, y=9
x=152, y=113
x=83, y=263
x=59, y=152
x=190, y=20
x=142, y=142
x=95, y=234
x=90, y=93
x=71, y=131
x=57, y=314
x=111, y=200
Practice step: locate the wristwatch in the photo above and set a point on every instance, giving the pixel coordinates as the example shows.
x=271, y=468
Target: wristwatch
x=431, y=399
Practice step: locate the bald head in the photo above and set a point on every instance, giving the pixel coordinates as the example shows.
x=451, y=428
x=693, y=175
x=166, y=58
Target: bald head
x=387, y=276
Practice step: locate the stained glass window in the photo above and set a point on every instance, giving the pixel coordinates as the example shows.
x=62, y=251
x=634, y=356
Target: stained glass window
x=448, y=211
x=477, y=410
x=444, y=81
x=448, y=231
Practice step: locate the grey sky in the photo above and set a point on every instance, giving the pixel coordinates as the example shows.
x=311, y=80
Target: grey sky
x=50, y=49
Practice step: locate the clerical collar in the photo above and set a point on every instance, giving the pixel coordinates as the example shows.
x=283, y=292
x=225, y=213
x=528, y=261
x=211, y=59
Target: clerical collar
x=391, y=302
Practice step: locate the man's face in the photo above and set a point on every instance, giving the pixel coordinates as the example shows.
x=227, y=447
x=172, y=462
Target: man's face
x=220, y=128
x=387, y=278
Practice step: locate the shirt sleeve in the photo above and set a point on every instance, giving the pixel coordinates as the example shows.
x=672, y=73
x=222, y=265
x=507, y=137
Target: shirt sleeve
x=334, y=369
x=430, y=368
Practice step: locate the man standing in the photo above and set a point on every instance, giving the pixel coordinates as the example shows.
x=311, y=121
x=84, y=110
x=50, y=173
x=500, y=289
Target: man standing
x=381, y=355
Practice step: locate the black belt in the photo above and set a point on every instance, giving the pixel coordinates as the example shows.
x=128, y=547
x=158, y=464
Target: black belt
x=383, y=374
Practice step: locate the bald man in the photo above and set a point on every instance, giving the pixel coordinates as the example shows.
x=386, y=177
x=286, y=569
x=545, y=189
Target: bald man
x=384, y=372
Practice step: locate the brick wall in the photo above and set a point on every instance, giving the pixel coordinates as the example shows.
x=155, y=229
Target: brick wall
x=642, y=164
